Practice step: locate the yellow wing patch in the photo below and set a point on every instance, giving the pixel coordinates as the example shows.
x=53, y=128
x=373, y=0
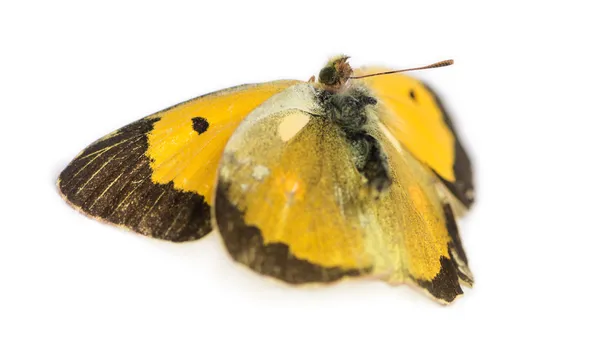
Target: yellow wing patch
x=414, y=215
x=189, y=157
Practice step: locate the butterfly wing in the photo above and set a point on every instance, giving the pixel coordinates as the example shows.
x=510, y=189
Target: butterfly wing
x=156, y=176
x=292, y=205
x=417, y=118
x=423, y=218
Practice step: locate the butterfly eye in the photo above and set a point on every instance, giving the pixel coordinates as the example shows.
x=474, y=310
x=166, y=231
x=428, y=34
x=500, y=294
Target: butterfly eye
x=328, y=76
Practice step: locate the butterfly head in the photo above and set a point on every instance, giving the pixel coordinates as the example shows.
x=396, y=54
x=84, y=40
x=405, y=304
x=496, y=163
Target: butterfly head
x=335, y=74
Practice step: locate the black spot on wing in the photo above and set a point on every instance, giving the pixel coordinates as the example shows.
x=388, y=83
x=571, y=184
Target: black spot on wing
x=111, y=180
x=412, y=95
x=462, y=187
x=246, y=245
x=199, y=124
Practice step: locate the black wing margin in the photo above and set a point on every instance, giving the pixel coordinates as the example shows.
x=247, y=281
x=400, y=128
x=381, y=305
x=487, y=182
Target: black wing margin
x=462, y=187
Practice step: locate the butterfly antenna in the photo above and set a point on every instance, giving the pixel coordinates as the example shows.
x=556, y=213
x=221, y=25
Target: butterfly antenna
x=435, y=65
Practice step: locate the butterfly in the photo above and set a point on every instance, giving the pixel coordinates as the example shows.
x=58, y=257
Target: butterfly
x=359, y=173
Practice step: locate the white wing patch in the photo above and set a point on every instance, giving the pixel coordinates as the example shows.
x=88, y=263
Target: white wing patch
x=291, y=125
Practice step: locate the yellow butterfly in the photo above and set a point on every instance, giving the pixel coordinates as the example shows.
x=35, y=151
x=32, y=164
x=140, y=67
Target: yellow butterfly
x=359, y=173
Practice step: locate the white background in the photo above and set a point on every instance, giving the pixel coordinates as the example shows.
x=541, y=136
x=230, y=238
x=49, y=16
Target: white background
x=523, y=92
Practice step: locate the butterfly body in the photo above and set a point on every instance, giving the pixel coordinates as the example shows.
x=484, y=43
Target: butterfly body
x=349, y=111
x=306, y=182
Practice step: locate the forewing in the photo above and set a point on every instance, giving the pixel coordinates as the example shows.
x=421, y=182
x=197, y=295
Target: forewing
x=156, y=176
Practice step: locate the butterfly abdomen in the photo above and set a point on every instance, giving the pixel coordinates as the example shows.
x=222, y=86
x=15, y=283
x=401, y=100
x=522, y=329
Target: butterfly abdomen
x=370, y=160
